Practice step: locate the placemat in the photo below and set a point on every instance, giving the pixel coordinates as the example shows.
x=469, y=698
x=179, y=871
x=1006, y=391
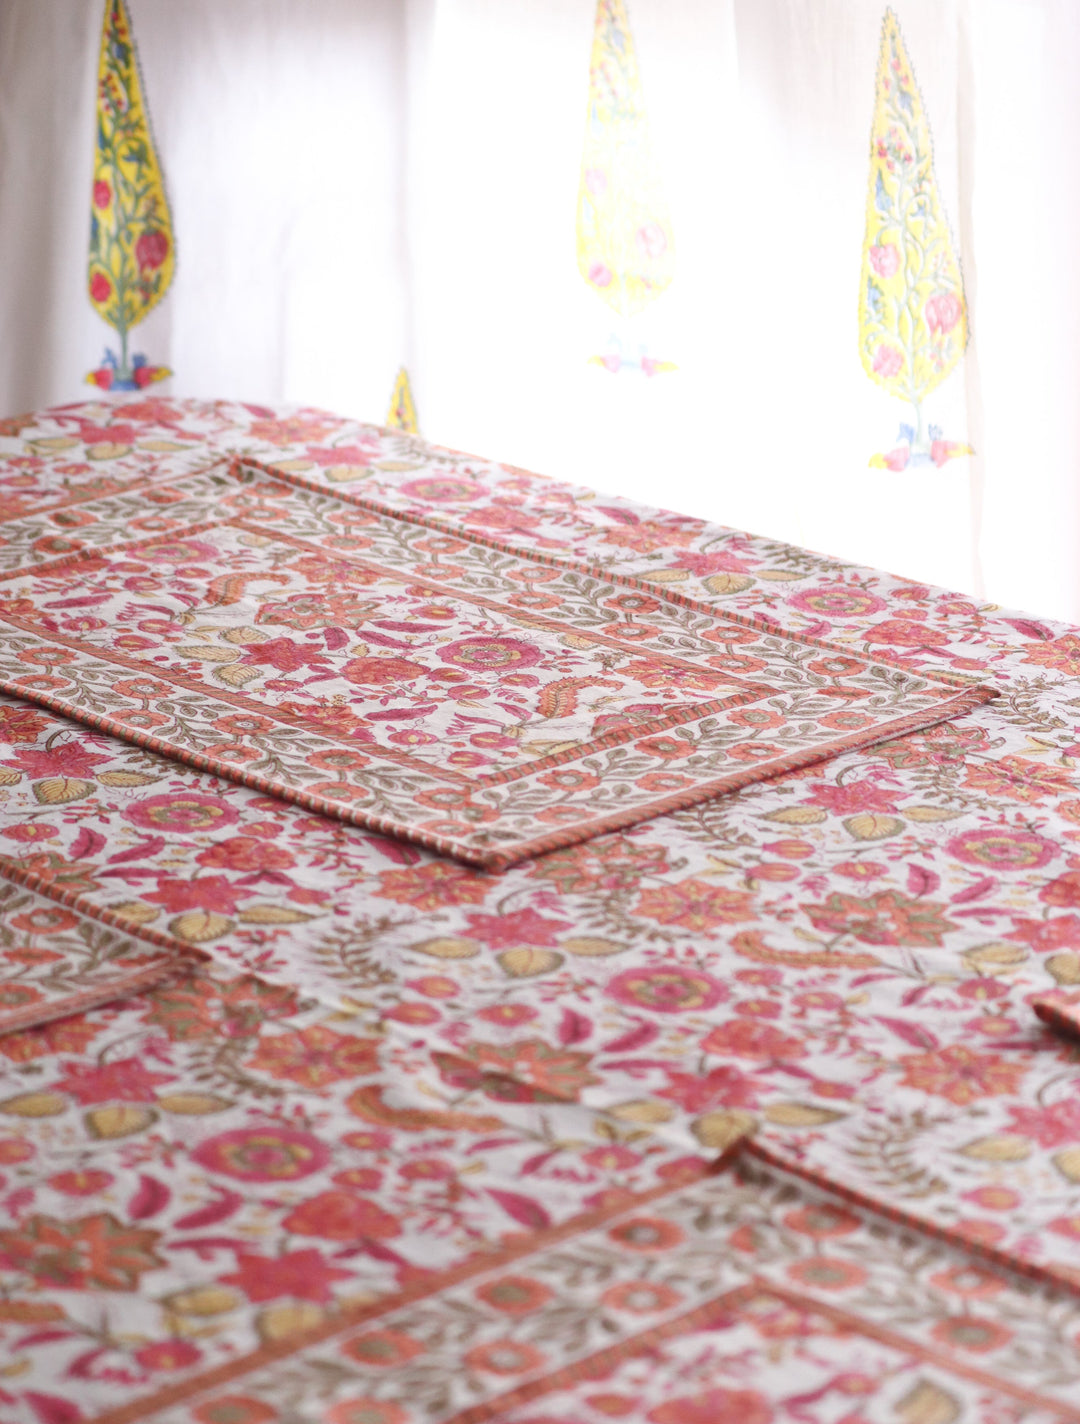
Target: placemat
x=408, y=675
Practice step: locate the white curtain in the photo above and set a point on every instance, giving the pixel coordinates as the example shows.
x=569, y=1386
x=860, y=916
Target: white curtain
x=360, y=184
x=280, y=129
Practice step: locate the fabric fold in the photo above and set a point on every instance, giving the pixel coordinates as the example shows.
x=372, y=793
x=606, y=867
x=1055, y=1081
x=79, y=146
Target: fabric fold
x=63, y=961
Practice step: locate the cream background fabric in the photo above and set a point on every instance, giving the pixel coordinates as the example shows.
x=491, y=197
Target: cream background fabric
x=361, y=183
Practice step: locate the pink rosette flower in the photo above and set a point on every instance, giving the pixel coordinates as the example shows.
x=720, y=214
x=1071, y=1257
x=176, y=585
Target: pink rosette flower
x=490, y=654
x=263, y=1154
x=151, y=250
x=651, y=240
x=1002, y=848
x=667, y=989
x=885, y=260
x=942, y=311
x=888, y=362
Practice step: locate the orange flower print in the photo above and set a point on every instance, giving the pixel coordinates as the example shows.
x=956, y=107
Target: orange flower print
x=852, y=797
x=45, y=920
x=383, y=1348
x=17, y=996
x=750, y=1038
x=246, y=853
x=30, y=831
x=263, y=1154
x=517, y=927
x=504, y=1357
x=668, y=676
x=203, y=892
x=21, y=724
x=969, y=1281
x=382, y=671
x=490, y=654
x=570, y=778
x=514, y=1295
x=341, y=1216
x=968, y=1332
x=696, y=905
x=304, y=1275
x=61, y=1036
x=1061, y=654
x=961, y=1075
x=666, y=747
x=827, y=1273
x=1063, y=891
x=887, y=918
x=443, y=489
x=644, y=538
x=837, y=601
x=1019, y=778
x=182, y=814
x=126, y=1080
x=664, y=989
x=315, y=1057
x=646, y=1234
x=662, y=781
x=907, y=632
x=82, y=1182
x=88, y=1253
x=290, y=429
x=1003, y=848
x=65, y=759
x=822, y=1221
x=1053, y=1125
x=335, y=719
x=434, y=884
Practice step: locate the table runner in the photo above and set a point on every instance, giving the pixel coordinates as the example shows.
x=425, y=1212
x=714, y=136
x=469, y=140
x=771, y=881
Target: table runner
x=487, y=702
x=844, y=959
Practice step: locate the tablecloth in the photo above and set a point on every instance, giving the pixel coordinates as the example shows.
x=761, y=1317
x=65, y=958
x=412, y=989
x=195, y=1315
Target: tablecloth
x=762, y=1107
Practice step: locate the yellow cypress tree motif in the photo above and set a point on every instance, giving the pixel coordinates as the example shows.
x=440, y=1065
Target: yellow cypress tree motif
x=132, y=252
x=625, y=249
x=402, y=412
x=912, y=311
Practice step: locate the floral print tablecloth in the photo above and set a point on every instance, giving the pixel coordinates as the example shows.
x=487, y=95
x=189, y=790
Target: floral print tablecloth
x=743, y=1111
